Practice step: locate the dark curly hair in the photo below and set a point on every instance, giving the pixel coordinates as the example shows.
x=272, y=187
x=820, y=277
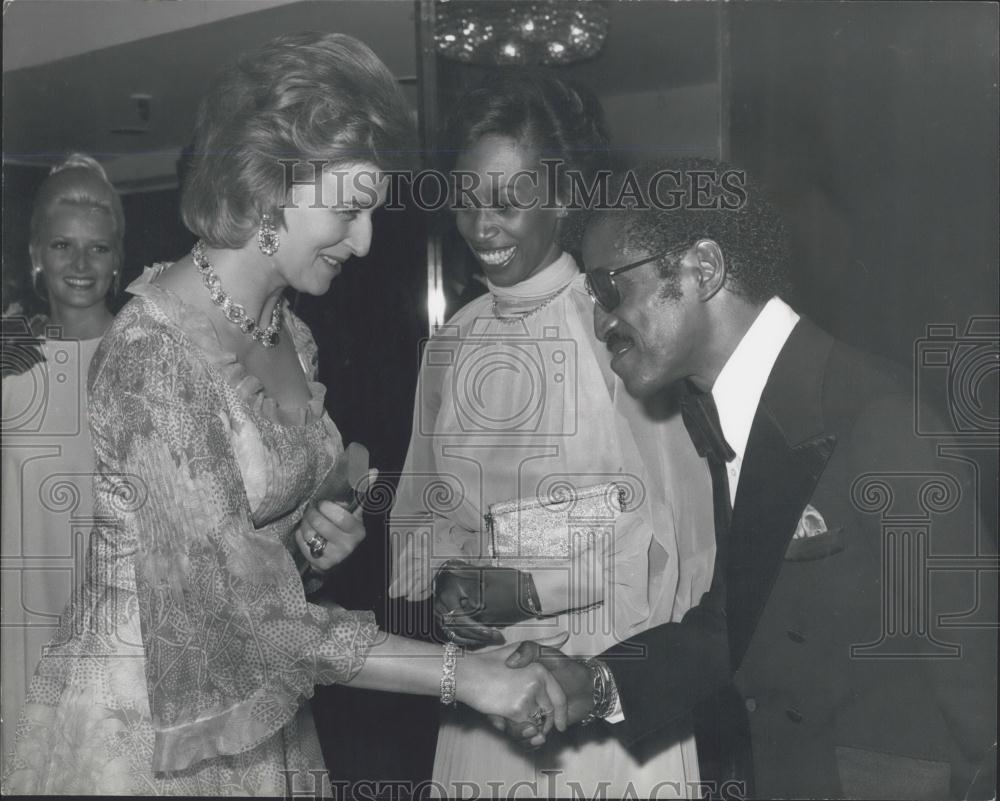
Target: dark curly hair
x=564, y=122
x=308, y=96
x=663, y=216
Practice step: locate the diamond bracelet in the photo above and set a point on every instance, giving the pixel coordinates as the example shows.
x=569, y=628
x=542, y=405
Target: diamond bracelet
x=448, y=684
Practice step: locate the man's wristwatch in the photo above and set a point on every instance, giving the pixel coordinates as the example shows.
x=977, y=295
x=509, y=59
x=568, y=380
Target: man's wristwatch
x=605, y=691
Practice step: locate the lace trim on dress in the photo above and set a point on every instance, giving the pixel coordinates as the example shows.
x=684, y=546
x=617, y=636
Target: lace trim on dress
x=196, y=326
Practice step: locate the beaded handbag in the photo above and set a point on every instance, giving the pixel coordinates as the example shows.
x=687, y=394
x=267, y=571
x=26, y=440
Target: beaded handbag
x=527, y=532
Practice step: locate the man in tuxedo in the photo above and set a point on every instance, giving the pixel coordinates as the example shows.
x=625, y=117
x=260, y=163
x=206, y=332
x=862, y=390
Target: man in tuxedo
x=827, y=659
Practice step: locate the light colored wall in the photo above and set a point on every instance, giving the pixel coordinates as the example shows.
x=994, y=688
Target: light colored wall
x=39, y=31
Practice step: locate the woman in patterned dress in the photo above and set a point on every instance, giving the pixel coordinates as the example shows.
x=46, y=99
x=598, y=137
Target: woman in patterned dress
x=186, y=665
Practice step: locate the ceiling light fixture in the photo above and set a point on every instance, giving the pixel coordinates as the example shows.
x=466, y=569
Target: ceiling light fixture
x=546, y=32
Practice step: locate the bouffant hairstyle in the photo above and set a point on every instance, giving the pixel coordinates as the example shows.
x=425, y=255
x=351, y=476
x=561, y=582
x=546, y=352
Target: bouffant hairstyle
x=78, y=180
x=747, y=227
x=301, y=97
x=561, y=121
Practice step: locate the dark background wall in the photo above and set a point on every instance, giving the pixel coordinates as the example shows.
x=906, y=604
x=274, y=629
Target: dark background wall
x=876, y=127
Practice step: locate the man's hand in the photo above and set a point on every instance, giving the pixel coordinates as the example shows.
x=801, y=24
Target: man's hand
x=470, y=602
x=527, y=698
x=574, y=678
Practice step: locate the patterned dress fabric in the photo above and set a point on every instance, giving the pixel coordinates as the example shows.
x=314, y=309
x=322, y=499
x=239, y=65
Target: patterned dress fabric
x=184, y=666
x=47, y=513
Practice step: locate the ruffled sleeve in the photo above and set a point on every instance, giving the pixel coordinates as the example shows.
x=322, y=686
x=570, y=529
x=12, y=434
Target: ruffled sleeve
x=231, y=645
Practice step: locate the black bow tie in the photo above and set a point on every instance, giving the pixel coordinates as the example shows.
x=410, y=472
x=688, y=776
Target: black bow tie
x=701, y=419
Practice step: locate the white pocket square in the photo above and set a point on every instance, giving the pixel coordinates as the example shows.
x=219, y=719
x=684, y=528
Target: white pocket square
x=811, y=524
x=812, y=539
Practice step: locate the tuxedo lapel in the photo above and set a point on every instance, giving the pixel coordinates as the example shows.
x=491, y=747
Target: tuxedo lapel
x=785, y=456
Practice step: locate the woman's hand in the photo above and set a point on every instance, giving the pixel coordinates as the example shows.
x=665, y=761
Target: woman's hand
x=328, y=534
x=472, y=602
x=457, y=599
x=530, y=695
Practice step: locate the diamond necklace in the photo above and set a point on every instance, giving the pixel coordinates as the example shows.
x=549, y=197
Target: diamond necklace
x=234, y=312
x=511, y=319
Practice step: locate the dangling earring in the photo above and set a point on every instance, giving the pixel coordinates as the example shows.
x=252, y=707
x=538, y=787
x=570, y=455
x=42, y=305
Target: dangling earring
x=116, y=285
x=36, y=274
x=267, y=237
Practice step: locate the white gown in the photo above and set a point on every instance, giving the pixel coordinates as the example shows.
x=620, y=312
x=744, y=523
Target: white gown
x=48, y=475
x=507, y=409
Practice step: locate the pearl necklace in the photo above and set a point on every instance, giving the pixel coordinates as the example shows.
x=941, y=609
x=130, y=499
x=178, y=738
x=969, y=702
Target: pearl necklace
x=511, y=319
x=234, y=312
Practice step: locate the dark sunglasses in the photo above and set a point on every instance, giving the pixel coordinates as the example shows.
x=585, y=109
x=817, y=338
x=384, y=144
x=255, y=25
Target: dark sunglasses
x=601, y=283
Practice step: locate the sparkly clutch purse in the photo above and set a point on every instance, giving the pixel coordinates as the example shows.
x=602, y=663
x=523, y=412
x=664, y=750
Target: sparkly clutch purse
x=526, y=532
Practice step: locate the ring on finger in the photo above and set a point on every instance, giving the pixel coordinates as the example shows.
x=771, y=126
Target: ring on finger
x=537, y=717
x=316, y=546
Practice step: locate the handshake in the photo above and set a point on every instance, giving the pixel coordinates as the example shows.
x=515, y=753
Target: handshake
x=472, y=603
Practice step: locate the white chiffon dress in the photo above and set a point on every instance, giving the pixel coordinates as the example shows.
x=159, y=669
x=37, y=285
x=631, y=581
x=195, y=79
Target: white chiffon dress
x=514, y=408
x=48, y=477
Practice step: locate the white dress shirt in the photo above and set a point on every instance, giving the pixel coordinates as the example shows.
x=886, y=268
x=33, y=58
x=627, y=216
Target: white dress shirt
x=741, y=382
x=738, y=388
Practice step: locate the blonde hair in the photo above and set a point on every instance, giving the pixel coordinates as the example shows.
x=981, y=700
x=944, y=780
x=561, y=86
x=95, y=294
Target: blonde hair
x=79, y=179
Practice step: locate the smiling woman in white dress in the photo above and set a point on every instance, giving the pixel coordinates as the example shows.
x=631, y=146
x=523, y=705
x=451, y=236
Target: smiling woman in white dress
x=77, y=229
x=516, y=400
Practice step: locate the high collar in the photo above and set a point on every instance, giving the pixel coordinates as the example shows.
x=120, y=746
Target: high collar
x=544, y=283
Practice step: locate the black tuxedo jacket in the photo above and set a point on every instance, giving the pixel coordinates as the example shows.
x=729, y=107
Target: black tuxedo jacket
x=851, y=685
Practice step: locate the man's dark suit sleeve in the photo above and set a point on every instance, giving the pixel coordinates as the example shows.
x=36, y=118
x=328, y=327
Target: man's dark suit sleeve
x=662, y=673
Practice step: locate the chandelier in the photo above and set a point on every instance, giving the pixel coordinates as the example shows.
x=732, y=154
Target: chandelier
x=526, y=33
